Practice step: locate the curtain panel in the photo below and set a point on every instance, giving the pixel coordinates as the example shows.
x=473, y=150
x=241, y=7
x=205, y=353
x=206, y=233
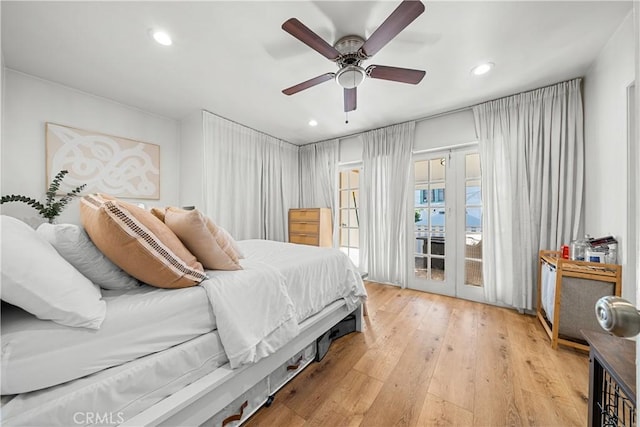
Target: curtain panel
x=386, y=165
x=318, y=164
x=250, y=179
x=532, y=157
x=318, y=178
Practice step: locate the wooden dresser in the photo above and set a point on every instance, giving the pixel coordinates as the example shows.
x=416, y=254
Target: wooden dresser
x=310, y=226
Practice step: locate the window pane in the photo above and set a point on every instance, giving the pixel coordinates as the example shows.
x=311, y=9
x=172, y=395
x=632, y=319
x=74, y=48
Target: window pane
x=473, y=246
x=354, y=240
x=437, y=169
x=422, y=245
x=421, y=219
x=344, y=237
x=421, y=171
x=473, y=273
x=437, y=219
x=344, y=199
x=354, y=199
x=344, y=217
x=437, y=244
x=473, y=193
x=421, y=267
x=437, y=269
x=420, y=197
x=354, y=178
x=472, y=166
x=353, y=218
x=344, y=179
x=473, y=219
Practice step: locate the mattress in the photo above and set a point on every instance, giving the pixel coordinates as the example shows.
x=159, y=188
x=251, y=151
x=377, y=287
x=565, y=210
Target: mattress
x=315, y=277
x=111, y=396
x=38, y=354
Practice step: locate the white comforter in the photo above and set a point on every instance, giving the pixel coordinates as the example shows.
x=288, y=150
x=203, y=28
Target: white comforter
x=258, y=309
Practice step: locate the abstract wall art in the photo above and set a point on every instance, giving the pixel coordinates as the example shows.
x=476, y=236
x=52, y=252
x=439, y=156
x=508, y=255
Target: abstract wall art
x=114, y=165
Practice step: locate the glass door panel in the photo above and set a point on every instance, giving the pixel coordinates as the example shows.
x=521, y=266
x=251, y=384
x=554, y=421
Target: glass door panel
x=430, y=225
x=447, y=230
x=348, y=213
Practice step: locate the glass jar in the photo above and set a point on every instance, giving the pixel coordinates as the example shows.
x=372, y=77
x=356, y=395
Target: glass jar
x=578, y=248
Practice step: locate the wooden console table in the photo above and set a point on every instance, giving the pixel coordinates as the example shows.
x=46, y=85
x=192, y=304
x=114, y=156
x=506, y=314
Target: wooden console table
x=612, y=380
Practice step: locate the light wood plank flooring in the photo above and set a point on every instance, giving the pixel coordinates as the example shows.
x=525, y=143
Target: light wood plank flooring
x=426, y=359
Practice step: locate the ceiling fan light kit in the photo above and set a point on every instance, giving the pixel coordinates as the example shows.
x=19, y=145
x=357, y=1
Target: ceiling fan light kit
x=350, y=76
x=349, y=52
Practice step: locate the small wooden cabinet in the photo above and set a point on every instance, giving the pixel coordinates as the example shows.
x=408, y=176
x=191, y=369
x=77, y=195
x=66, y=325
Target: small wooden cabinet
x=310, y=226
x=567, y=294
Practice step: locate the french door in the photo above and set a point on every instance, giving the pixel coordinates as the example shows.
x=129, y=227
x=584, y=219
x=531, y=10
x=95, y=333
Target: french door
x=447, y=224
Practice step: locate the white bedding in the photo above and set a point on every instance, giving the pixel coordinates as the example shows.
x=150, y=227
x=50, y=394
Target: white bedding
x=315, y=277
x=38, y=353
x=117, y=393
x=253, y=310
x=258, y=309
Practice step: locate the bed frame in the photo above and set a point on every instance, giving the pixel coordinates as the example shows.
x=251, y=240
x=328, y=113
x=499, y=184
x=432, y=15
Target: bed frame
x=202, y=399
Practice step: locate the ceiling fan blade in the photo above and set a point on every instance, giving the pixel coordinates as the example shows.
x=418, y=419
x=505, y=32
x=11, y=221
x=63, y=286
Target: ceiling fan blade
x=403, y=75
x=350, y=99
x=300, y=31
x=309, y=83
x=404, y=15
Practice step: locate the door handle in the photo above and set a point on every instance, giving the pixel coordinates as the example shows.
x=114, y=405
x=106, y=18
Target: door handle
x=618, y=316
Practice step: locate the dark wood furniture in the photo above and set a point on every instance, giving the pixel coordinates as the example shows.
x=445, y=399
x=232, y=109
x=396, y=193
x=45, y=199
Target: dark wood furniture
x=612, y=380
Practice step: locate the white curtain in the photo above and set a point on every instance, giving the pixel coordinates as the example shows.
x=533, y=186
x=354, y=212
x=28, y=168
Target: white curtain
x=318, y=164
x=532, y=157
x=386, y=166
x=250, y=179
x=280, y=184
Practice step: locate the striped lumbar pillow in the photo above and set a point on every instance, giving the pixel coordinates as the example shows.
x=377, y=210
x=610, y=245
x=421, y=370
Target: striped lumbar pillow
x=139, y=243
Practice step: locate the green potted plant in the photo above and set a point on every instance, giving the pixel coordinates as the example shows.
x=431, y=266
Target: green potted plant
x=53, y=205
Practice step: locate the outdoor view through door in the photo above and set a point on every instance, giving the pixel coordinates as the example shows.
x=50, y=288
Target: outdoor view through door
x=349, y=214
x=447, y=229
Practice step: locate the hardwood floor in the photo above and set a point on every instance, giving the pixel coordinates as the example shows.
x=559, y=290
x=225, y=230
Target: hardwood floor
x=426, y=359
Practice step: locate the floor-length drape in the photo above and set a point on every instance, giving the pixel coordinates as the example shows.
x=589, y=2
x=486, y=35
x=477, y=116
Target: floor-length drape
x=532, y=157
x=385, y=207
x=318, y=164
x=250, y=179
x=280, y=184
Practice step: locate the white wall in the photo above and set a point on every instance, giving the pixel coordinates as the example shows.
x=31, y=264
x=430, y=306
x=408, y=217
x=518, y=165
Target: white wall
x=606, y=150
x=30, y=102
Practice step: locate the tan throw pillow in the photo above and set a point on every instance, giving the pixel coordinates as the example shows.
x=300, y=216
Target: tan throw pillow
x=139, y=243
x=207, y=241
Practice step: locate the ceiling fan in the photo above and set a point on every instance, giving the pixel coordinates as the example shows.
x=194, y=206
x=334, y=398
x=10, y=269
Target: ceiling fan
x=349, y=52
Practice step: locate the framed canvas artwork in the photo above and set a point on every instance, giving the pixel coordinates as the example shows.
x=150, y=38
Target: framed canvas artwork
x=117, y=166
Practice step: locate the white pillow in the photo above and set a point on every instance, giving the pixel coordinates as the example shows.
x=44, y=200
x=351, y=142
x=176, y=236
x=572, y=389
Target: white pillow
x=74, y=244
x=37, y=279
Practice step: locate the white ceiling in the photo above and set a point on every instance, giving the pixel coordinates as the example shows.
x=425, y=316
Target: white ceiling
x=233, y=59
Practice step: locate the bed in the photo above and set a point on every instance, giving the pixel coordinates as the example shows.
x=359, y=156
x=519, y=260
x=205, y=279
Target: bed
x=185, y=356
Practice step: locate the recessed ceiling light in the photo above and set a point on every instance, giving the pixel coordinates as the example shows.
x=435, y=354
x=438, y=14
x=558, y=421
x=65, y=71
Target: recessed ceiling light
x=162, y=38
x=481, y=69
x=313, y=122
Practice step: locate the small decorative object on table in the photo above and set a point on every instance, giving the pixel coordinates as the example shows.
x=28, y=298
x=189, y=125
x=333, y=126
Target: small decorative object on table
x=52, y=206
